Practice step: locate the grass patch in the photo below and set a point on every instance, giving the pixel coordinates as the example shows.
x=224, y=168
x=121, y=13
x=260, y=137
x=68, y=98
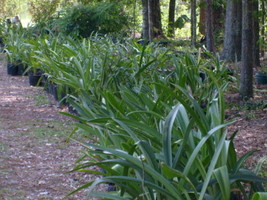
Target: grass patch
x=4, y=170
x=47, y=131
x=12, y=194
x=52, y=131
x=41, y=100
x=55, y=129
x=3, y=147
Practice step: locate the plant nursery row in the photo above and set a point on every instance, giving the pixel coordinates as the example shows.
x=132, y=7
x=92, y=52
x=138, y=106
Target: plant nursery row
x=155, y=117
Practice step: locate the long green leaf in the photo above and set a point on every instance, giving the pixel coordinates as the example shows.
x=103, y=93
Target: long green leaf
x=221, y=174
x=167, y=135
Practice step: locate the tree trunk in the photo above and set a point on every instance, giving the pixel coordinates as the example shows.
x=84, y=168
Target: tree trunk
x=202, y=17
x=209, y=27
x=246, y=76
x=156, y=18
x=171, y=18
x=218, y=16
x=233, y=34
x=256, y=35
x=152, y=21
x=193, y=23
x=145, y=19
x=262, y=23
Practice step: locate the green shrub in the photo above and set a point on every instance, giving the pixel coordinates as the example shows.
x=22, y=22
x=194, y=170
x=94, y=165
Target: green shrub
x=82, y=20
x=42, y=10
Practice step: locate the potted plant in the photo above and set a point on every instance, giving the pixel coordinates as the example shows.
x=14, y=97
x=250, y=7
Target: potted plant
x=34, y=71
x=33, y=66
x=14, y=52
x=261, y=77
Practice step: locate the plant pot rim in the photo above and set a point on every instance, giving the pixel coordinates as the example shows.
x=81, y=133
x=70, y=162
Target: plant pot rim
x=261, y=74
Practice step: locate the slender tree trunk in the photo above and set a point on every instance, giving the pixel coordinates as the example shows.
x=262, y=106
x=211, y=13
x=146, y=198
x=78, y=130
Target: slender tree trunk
x=256, y=33
x=134, y=19
x=202, y=17
x=150, y=20
x=209, y=27
x=156, y=18
x=233, y=34
x=171, y=18
x=262, y=23
x=218, y=16
x=145, y=19
x=193, y=23
x=246, y=76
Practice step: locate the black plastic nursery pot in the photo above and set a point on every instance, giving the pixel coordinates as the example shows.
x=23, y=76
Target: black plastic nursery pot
x=72, y=110
x=34, y=79
x=21, y=69
x=44, y=81
x=2, y=44
x=12, y=69
x=56, y=91
x=261, y=78
x=51, y=88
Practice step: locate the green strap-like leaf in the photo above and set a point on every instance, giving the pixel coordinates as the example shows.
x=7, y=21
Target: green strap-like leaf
x=222, y=176
x=260, y=196
x=167, y=135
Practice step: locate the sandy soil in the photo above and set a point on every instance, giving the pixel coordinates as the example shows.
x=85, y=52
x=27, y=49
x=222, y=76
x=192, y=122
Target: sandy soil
x=34, y=167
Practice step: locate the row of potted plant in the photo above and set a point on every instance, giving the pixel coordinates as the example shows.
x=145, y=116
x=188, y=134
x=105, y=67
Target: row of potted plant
x=157, y=127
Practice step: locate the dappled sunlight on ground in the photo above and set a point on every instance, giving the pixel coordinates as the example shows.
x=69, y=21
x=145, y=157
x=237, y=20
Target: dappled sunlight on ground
x=34, y=152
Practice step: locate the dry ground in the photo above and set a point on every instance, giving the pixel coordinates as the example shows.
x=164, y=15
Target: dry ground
x=34, y=154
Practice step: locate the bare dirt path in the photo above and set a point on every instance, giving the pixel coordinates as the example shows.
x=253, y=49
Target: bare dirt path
x=34, y=154
x=251, y=126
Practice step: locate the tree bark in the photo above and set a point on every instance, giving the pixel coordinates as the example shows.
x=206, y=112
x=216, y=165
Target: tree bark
x=193, y=23
x=256, y=33
x=209, y=27
x=233, y=34
x=145, y=19
x=262, y=23
x=246, y=75
x=152, y=26
x=171, y=18
x=150, y=20
x=202, y=17
x=156, y=18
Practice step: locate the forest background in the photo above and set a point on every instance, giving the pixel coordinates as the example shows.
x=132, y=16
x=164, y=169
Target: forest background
x=234, y=29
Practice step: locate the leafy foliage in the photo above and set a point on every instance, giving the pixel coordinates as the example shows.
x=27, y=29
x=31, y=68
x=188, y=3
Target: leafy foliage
x=150, y=132
x=82, y=20
x=42, y=10
x=157, y=128
x=11, y=8
x=180, y=22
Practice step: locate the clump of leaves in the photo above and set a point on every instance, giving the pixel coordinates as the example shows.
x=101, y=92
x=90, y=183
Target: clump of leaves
x=83, y=20
x=155, y=141
x=42, y=10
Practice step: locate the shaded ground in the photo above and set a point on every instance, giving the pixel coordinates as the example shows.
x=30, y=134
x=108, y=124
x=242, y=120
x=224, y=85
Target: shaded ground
x=250, y=123
x=34, y=154
x=251, y=126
